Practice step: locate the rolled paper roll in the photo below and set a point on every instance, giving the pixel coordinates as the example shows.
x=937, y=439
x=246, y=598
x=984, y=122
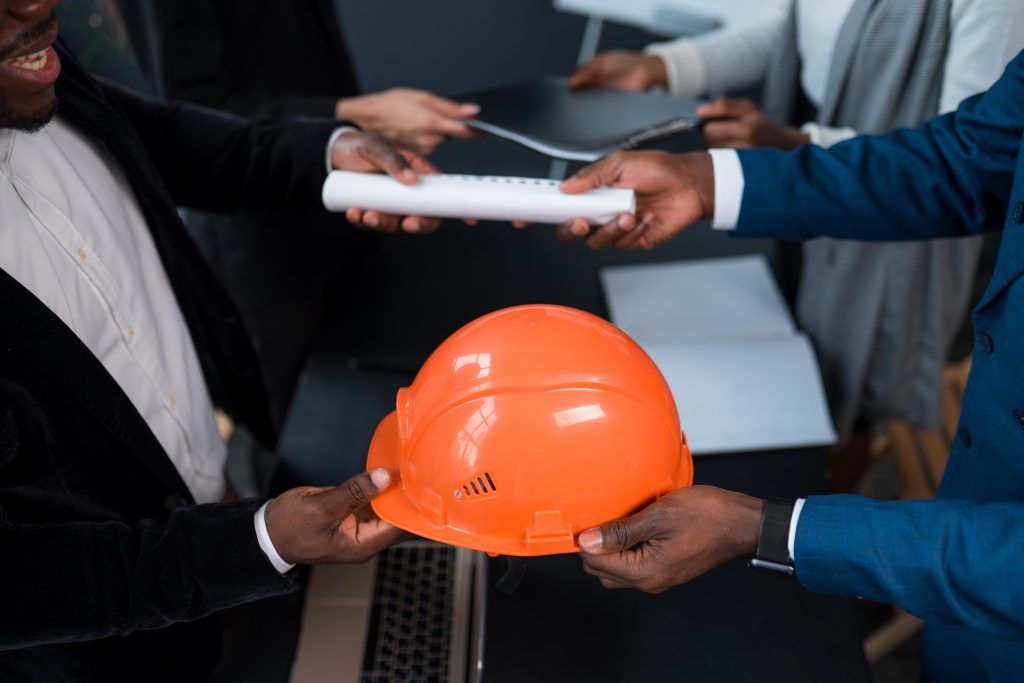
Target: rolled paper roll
x=533, y=200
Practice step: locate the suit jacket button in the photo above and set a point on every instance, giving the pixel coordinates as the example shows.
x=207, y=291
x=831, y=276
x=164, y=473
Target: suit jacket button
x=965, y=437
x=1019, y=417
x=174, y=501
x=1018, y=213
x=985, y=343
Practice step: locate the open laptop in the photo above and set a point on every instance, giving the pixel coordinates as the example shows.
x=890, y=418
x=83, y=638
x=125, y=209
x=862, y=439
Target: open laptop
x=415, y=613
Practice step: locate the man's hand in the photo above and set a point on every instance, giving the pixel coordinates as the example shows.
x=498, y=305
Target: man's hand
x=672, y=191
x=673, y=540
x=622, y=70
x=331, y=525
x=415, y=119
x=369, y=153
x=747, y=126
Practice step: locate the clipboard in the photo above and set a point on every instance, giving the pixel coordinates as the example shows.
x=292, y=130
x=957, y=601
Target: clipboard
x=582, y=125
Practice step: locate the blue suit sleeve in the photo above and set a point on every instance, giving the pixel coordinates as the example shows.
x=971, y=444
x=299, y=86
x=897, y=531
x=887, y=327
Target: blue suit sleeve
x=946, y=561
x=950, y=177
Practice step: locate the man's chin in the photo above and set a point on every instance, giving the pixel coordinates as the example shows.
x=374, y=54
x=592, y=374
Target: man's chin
x=29, y=122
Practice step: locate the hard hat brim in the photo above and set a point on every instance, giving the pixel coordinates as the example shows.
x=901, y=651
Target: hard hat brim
x=394, y=506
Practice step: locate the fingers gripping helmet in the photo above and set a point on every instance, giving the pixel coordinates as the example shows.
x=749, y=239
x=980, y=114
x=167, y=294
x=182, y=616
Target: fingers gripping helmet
x=524, y=428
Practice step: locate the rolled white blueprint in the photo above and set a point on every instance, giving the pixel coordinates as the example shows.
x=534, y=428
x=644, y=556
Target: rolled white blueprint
x=534, y=200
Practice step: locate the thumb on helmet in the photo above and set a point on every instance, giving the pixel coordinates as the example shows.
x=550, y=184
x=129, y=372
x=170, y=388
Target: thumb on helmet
x=619, y=535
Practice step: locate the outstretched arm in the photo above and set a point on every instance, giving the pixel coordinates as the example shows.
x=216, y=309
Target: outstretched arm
x=212, y=161
x=949, y=561
x=946, y=561
x=82, y=581
x=953, y=176
x=950, y=177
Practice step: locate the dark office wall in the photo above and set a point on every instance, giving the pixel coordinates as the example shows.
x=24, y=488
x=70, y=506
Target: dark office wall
x=95, y=33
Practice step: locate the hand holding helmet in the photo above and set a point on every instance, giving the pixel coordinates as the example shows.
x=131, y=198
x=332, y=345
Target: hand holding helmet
x=674, y=540
x=332, y=524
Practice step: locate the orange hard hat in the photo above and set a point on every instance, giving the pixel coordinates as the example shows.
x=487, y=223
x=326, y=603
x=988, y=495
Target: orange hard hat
x=526, y=427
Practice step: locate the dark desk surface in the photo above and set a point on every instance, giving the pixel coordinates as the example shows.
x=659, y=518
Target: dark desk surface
x=731, y=624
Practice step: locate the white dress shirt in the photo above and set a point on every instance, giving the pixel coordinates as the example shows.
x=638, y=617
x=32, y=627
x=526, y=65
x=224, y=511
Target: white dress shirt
x=72, y=233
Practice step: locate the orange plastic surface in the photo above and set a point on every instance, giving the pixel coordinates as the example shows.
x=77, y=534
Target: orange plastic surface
x=526, y=427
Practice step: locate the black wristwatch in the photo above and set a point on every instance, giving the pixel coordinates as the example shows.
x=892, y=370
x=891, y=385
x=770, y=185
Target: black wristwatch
x=773, y=538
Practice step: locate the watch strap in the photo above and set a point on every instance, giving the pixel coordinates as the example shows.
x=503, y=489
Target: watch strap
x=773, y=537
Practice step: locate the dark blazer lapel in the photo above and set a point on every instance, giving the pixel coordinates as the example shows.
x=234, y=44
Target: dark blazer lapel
x=1009, y=265
x=31, y=328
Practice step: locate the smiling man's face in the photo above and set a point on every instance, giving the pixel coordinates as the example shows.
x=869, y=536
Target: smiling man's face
x=28, y=64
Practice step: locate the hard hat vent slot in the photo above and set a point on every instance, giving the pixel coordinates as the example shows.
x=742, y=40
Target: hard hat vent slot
x=479, y=487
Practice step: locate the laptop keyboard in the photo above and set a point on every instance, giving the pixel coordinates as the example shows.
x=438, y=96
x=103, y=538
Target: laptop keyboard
x=409, y=638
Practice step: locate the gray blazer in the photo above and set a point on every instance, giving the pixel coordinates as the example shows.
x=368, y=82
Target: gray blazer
x=882, y=316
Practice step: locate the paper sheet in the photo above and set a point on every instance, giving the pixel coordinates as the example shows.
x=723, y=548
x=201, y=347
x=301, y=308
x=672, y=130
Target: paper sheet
x=718, y=329
x=536, y=200
x=726, y=298
x=745, y=395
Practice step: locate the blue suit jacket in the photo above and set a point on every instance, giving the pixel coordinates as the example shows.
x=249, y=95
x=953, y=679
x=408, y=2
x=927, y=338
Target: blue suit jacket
x=957, y=562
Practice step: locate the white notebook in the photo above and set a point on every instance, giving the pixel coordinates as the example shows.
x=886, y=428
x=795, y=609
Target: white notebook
x=742, y=376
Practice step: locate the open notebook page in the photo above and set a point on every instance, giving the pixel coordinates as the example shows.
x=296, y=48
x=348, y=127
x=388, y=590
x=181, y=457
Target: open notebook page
x=723, y=298
x=748, y=394
x=718, y=329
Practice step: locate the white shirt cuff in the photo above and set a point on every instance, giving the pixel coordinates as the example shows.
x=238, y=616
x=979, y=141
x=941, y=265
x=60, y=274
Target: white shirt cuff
x=684, y=66
x=266, y=544
x=729, y=181
x=826, y=136
x=338, y=132
x=791, y=543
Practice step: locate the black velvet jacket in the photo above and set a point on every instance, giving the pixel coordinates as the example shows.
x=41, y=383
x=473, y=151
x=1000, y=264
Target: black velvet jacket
x=103, y=556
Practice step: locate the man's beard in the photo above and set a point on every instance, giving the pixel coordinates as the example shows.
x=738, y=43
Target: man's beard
x=28, y=122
